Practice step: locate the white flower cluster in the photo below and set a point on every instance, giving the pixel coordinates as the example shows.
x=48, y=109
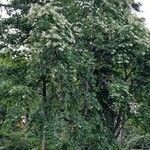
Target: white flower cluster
x=50, y=28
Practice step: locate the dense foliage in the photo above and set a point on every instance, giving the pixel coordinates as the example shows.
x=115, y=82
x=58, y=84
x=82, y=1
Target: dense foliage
x=74, y=75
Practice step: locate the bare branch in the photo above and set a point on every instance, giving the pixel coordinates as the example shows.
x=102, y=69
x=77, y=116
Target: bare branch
x=5, y=5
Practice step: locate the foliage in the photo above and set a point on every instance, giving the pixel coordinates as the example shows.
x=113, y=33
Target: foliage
x=73, y=74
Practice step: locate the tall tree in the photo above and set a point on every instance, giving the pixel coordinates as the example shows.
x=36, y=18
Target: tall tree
x=77, y=71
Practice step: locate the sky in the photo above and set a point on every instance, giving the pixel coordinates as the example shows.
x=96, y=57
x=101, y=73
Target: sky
x=2, y=11
x=145, y=10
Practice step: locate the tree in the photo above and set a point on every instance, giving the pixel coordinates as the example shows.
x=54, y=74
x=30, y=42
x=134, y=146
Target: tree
x=76, y=73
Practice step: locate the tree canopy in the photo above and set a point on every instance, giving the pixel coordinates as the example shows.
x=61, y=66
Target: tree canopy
x=74, y=76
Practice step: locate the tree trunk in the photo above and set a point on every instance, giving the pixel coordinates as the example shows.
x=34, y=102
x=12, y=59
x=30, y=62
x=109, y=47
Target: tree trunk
x=85, y=108
x=44, y=93
x=44, y=141
x=85, y=105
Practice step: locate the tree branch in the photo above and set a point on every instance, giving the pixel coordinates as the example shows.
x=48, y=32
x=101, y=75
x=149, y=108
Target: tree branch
x=6, y=5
